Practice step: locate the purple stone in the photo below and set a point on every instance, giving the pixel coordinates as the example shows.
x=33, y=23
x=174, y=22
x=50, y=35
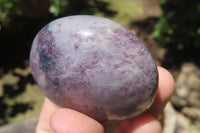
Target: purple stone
x=95, y=66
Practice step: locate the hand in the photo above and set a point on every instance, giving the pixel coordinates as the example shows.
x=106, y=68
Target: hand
x=63, y=120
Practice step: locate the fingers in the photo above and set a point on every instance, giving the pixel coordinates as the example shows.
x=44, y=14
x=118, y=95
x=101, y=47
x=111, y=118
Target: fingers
x=47, y=110
x=164, y=93
x=145, y=123
x=70, y=121
x=62, y=120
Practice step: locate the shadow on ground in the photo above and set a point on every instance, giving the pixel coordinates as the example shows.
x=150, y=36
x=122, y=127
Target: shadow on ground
x=174, y=58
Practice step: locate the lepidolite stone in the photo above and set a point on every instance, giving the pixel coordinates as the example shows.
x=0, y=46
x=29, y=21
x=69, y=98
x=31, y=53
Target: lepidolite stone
x=95, y=66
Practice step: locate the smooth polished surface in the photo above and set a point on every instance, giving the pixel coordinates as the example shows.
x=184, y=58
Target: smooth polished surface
x=95, y=66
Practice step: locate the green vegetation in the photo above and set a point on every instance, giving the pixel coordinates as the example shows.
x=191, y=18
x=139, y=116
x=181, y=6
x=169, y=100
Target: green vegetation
x=8, y=9
x=57, y=6
x=179, y=25
x=121, y=11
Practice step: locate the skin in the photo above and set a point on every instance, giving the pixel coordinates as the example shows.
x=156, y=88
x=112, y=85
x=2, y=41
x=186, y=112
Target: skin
x=63, y=120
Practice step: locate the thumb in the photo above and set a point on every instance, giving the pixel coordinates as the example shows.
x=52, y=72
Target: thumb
x=69, y=121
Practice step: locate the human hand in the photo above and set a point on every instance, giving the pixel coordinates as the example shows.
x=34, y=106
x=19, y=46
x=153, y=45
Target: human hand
x=63, y=120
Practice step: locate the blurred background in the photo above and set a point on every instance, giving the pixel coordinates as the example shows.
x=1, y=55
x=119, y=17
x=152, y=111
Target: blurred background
x=170, y=29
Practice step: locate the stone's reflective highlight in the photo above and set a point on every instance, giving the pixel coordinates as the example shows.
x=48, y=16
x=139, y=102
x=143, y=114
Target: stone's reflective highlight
x=95, y=66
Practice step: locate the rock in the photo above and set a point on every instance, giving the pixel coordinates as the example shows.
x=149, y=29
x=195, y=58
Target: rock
x=185, y=125
x=187, y=92
x=170, y=119
x=186, y=99
x=193, y=113
x=193, y=99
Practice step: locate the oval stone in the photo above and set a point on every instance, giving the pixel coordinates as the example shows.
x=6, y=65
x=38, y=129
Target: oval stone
x=95, y=66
